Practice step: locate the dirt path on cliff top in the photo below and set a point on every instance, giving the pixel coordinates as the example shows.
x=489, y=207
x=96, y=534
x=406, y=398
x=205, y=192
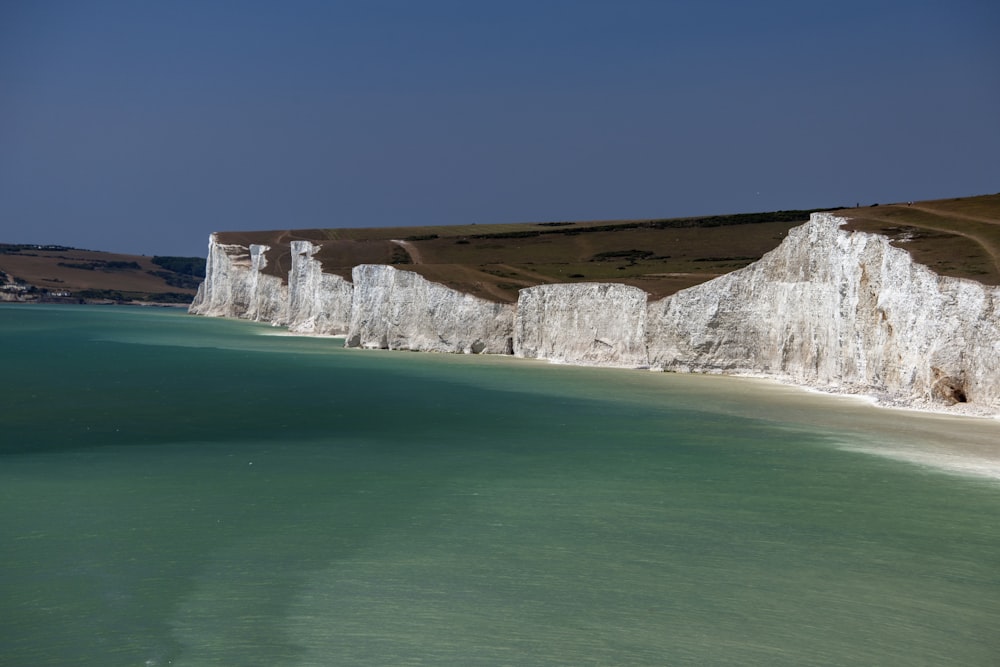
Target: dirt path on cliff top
x=954, y=214
x=992, y=250
x=411, y=249
x=982, y=231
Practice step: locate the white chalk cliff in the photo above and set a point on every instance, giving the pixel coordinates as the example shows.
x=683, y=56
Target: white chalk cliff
x=318, y=303
x=401, y=310
x=843, y=311
x=603, y=324
x=235, y=286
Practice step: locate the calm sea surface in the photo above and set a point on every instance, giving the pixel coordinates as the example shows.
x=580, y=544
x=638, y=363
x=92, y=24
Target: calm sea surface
x=186, y=491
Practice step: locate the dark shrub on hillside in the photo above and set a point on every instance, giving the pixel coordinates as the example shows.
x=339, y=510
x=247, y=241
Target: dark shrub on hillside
x=188, y=266
x=400, y=256
x=621, y=254
x=102, y=265
x=176, y=279
x=169, y=297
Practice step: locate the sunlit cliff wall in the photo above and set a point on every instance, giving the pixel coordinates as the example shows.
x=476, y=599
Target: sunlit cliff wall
x=843, y=311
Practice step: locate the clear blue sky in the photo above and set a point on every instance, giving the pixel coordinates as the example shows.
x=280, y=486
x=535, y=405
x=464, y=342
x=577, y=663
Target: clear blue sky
x=142, y=126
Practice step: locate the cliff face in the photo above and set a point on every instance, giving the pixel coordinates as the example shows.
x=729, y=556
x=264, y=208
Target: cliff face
x=382, y=308
x=268, y=294
x=401, y=310
x=843, y=311
x=828, y=308
x=235, y=287
x=215, y=294
x=318, y=303
x=584, y=323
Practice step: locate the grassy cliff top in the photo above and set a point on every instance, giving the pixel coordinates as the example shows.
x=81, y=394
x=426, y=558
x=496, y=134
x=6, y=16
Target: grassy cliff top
x=660, y=256
x=955, y=237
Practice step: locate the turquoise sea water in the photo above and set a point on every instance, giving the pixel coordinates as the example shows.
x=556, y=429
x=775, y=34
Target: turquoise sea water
x=186, y=491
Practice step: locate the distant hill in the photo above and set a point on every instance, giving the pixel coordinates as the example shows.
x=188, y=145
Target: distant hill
x=52, y=273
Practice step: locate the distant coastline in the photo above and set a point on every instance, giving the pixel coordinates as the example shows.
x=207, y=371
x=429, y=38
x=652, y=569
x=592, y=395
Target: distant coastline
x=61, y=274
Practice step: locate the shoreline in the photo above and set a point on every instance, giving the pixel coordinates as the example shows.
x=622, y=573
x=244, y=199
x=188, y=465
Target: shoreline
x=956, y=443
x=958, y=410
x=949, y=441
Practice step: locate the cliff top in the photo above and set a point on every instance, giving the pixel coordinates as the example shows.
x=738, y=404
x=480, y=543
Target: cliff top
x=660, y=256
x=956, y=237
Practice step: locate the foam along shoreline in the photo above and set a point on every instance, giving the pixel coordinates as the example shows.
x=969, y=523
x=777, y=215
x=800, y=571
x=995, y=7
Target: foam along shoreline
x=956, y=442
x=965, y=444
x=285, y=333
x=953, y=441
x=961, y=443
